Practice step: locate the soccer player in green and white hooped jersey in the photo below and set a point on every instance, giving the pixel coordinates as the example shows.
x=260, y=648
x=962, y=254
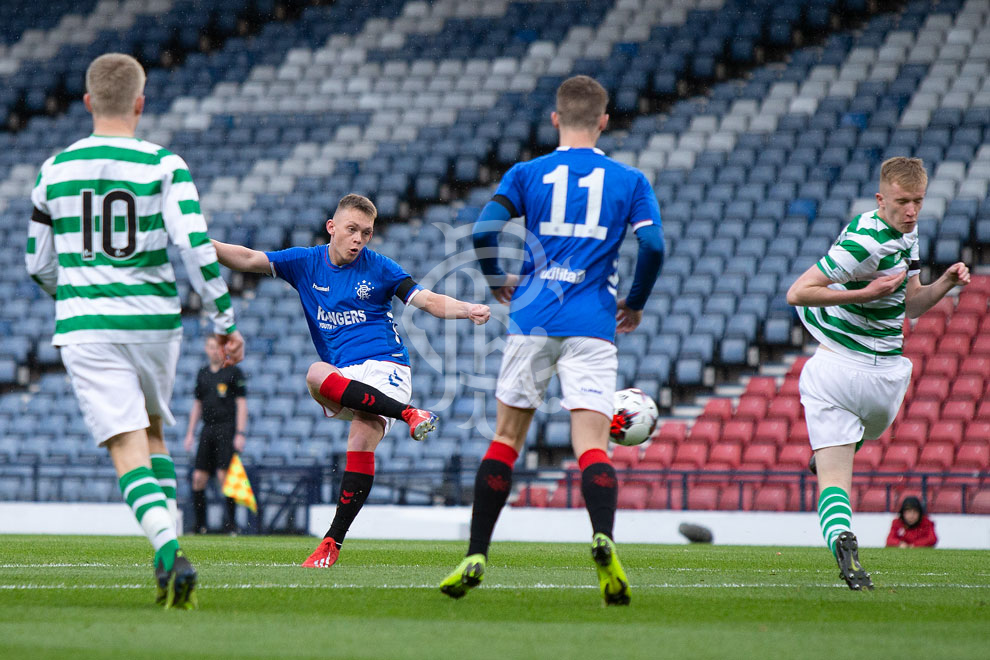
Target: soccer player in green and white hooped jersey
x=854, y=301
x=104, y=212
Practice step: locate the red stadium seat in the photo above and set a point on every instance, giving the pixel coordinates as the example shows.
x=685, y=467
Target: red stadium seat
x=658, y=452
x=873, y=500
x=938, y=365
x=962, y=411
x=885, y=437
x=799, y=432
x=963, y=323
x=751, y=406
x=973, y=456
x=759, y=457
x=771, y=498
x=977, y=431
x=559, y=498
x=980, y=503
x=625, y=456
x=790, y=387
x=971, y=303
x=923, y=345
x=703, y=498
x=981, y=345
x=943, y=307
x=983, y=412
x=793, y=457
x=946, y=431
x=797, y=366
x=936, y=457
x=671, y=432
x=975, y=365
x=947, y=500
x=923, y=409
x=930, y=325
x=719, y=408
x=537, y=496
x=740, y=431
x=690, y=456
x=969, y=388
x=932, y=387
x=706, y=431
x=785, y=407
x=917, y=364
x=737, y=497
x=980, y=283
x=985, y=325
x=725, y=456
x=956, y=345
x=764, y=386
x=772, y=431
x=663, y=498
x=914, y=432
x=868, y=457
x=633, y=496
x=900, y=457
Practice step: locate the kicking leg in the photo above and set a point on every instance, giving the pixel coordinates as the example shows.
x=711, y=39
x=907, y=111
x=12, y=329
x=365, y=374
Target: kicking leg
x=359, y=475
x=835, y=468
x=335, y=391
x=491, y=490
x=600, y=488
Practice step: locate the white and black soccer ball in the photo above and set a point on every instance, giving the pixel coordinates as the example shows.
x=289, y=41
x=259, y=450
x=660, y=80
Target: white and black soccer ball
x=635, y=417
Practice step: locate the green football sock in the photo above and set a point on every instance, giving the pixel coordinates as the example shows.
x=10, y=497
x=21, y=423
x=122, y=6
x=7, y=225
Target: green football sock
x=147, y=501
x=164, y=469
x=834, y=514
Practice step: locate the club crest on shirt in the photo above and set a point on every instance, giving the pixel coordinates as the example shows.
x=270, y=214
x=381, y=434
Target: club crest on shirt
x=363, y=290
x=221, y=389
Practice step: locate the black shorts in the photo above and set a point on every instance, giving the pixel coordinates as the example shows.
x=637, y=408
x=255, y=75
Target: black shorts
x=216, y=448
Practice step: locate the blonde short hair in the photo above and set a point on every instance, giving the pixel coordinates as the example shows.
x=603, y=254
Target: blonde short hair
x=114, y=81
x=908, y=173
x=581, y=102
x=357, y=202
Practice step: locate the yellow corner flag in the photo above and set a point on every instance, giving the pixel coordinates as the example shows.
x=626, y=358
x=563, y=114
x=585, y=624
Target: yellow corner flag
x=237, y=486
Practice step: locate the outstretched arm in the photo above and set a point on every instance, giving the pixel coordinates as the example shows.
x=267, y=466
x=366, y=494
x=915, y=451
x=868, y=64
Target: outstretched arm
x=445, y=307
x=238, y=257
x=811, y=290
x=919, y=298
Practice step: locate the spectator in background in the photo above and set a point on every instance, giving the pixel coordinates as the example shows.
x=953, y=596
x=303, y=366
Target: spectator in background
x=912, y=528
x=221, y=402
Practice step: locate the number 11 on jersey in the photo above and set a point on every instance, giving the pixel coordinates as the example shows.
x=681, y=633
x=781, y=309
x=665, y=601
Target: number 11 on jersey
x=558, y=225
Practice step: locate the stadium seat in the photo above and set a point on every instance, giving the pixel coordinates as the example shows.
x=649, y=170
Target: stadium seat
x=787, y=408
x=947, y=431
x=977, y=430
x=759, y=457
x=762, y=386
x=658, y=454
x=625, y=457
x=702, y=498
x=739, y=431
x=633, y=496
x=961, y=411
x=689, y=456
x=947, y=500
x=751, y=407
x=771, y=498
x=900, y=457
x=794, y=456
x=874, y=500
x=705, y=431
x=718, y=408
x=868, y=457
x=724, y=456
x=912, y=431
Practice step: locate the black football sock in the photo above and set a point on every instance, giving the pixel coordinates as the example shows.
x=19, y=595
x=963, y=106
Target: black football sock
x=359, y=474
x=491, y=490
x=199, y=508
x=600, y=489
x=356, y=395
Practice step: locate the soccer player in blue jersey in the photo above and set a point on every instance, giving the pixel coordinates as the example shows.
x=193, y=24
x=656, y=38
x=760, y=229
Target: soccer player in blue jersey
x=346, y=293
x=578, y=204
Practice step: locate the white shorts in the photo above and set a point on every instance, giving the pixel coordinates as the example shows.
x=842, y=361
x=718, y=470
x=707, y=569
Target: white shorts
x=846, y=401
x=586, y=367
x=120, y=385
x=394, y=380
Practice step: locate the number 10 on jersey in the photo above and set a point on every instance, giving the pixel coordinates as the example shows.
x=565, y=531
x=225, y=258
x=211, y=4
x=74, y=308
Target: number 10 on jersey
x=558, y=225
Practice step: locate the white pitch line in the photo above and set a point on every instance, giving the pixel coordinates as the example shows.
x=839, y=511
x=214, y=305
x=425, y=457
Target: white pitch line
x=539, y=586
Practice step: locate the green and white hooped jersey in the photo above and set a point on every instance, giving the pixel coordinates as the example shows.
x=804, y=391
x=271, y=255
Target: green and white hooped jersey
x=866, y=249
x=111, y=278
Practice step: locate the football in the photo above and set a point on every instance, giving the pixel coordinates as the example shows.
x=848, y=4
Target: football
x=635, y=417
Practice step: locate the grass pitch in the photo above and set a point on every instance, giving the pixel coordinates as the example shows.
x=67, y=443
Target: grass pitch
x=93, y=597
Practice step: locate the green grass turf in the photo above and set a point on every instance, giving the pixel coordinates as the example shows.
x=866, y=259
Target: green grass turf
x=75, y=597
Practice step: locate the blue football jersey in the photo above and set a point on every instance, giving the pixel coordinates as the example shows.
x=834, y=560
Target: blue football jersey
x=578, y=204
x=348, y=308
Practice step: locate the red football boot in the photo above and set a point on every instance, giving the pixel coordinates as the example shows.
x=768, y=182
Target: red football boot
x=324, y=556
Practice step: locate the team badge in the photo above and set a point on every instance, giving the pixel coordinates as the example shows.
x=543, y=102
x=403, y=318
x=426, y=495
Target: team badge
x=222, y=389
x=363, y=290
